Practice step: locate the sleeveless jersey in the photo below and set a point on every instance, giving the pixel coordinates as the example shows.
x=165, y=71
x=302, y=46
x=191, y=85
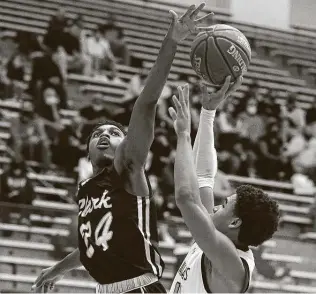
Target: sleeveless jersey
x=191, y=276
x=117, y=231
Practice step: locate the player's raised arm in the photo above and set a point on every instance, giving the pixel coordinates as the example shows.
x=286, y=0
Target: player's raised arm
x=205, y=157
x=134, y=150
x=216, y=246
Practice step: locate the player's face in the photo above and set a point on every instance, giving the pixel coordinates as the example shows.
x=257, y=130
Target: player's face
x=224, y=218
x=103, y=143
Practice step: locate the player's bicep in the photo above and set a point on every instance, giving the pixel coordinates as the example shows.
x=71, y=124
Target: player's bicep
x=216, y=246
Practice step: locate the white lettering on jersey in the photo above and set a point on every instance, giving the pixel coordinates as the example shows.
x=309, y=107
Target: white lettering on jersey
x=87, y=205
x=102, y=234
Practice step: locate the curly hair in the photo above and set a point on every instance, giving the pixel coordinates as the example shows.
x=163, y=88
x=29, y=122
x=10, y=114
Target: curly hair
x=259, y=214
x=104, y=123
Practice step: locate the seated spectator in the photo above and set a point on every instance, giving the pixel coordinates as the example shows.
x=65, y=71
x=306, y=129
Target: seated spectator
x=92, y=114
x=136, y=85
x=46, y=72
x=16, y=188
x=16, y=70
x=227, y=119
x=119, y=48
x=251, y=124
x=269, y=164
x=306, y=159
x=48, y=119
x=67, y=146
x=56, y=28
x=70, y=53
x=26, y=138
x=295, y=144
x=100, y=54
x=270, y=109
x=293, y=112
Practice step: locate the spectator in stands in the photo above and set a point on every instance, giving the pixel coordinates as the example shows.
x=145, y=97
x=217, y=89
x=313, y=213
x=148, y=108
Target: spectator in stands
x=270, y=109
x=46, y=73
x=293, y=112
x=68, y=146
x=269, y=164
x=250, y=123
x=306, y=160
x=48, y=120
x=25, y=137
x=70, y=54
x=115, y=36
x=227, y=119
x=295, y=144
x=100, y=54
x=136, y=85
x=56, y=29
x=16, y=70
x=16, y=188
x=92, y=114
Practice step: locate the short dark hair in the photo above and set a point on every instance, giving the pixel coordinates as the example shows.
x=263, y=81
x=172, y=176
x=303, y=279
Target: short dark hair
x=259, y=214
x=104, y=123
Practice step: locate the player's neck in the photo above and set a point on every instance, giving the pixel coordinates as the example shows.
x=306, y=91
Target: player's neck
x=97, y=169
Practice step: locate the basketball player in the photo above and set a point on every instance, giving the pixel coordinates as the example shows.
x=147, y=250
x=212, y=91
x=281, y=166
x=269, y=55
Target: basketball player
x=117, y=224
x=220, y=259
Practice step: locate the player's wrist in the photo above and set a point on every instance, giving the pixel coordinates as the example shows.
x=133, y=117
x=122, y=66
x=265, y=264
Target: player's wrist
x=185, y=134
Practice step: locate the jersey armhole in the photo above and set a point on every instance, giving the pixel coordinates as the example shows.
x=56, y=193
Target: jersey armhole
x=204, y=274
x=247, y=276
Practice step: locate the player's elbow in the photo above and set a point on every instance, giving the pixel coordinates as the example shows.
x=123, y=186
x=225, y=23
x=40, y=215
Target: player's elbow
x=184, y=195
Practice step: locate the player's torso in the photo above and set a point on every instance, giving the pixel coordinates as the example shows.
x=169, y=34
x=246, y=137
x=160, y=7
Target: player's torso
x=196, y=275
x=116, y=233
x=189, y=276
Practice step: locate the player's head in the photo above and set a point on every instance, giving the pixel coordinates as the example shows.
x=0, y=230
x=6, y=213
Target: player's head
x=103, y=141
x=248, y=217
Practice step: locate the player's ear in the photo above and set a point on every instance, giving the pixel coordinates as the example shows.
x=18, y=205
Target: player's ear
x=235, y=223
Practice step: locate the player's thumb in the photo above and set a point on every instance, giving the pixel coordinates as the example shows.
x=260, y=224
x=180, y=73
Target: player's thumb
x=174, y=17
x=172, y=113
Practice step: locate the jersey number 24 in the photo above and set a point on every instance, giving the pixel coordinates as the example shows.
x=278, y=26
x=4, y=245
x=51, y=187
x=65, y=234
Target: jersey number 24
x=102, y=233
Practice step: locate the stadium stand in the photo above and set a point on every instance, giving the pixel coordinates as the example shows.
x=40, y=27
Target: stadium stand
x=277, y=64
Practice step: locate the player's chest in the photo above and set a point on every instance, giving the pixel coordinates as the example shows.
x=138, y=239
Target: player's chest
x=97, y=201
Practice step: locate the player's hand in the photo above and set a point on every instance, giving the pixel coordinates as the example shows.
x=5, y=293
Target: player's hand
x=213, y=100
x=46, y=280
x=182, y=27
x=181, y=114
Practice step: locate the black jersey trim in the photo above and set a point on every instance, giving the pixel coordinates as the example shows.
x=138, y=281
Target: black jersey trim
x=247, y=275
x=204, y=274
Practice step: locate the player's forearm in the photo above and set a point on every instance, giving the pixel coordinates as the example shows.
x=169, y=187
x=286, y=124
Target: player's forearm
x=70, y=262
x=185, y=178
x=158, y=75
x=205, y=157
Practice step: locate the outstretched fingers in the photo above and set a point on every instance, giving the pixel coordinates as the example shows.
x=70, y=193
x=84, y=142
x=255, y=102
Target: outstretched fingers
x=205, y=17
x=235, y=86
x=189, y=12
x=225, y=86
x=197, y=10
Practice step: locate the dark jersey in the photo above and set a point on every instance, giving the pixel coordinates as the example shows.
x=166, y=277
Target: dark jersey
x=117, y=230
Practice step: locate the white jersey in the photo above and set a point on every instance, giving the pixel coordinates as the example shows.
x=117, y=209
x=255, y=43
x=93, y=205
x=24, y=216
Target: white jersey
x=191, y=277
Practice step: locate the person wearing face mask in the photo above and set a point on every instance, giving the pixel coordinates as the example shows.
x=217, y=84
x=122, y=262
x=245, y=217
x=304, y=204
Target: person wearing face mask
x=250, y=124
x=16, y=188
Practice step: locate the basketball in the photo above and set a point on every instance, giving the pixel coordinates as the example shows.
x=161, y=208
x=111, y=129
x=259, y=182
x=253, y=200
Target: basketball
x=218, y=52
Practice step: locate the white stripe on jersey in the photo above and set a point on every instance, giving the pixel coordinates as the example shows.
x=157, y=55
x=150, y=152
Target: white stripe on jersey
x=189, y=276
x=141, y=229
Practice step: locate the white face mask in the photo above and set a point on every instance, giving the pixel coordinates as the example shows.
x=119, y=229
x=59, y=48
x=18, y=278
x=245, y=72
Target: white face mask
x=252, y=109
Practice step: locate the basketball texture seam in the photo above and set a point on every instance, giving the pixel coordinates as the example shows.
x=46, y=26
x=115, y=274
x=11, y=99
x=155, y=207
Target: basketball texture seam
x=224, y=57
x=241, y=48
